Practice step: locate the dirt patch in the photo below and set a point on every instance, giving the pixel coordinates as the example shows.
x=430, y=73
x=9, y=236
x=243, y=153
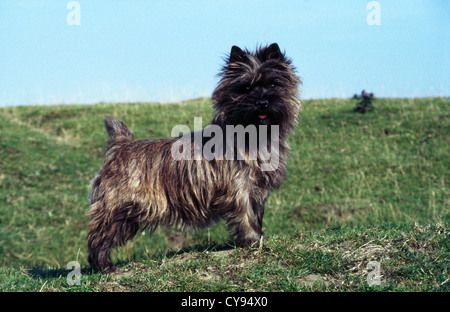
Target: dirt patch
x=326, y=213
x=210, y=274
x=178, y=240
x=311, y=280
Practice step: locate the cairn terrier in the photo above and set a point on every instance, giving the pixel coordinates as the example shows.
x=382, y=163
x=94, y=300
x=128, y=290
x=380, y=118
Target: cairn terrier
x=141, y=185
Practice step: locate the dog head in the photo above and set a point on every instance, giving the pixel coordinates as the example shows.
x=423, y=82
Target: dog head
x=259, y=88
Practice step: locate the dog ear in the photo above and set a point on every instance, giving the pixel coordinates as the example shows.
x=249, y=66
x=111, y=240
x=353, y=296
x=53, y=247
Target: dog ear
x=273, y=52
x=236, y=55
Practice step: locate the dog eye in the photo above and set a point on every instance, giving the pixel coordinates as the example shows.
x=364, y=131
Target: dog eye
x=247, y=88
x=273, y=85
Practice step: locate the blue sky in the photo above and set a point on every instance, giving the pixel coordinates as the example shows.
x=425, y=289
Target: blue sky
x=168, y=50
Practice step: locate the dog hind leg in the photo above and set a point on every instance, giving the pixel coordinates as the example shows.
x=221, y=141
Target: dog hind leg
x=120, y=226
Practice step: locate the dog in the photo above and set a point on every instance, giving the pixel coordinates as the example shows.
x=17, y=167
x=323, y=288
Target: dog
x=142, y=185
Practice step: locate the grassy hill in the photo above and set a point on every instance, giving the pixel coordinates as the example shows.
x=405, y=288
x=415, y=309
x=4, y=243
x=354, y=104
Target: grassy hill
x=360, y=188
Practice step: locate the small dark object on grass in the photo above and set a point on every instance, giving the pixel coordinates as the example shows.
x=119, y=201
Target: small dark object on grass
x=365, y=105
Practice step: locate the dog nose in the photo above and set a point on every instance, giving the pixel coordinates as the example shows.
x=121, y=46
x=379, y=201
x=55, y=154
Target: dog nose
x=262, y=104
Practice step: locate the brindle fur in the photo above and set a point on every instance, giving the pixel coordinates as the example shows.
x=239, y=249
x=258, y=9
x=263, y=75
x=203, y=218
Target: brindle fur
x=141, y=186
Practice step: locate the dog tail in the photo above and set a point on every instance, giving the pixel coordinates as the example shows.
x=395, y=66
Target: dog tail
x=117, y=130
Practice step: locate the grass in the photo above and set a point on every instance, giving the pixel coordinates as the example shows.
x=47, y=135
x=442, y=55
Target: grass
x=360, y=188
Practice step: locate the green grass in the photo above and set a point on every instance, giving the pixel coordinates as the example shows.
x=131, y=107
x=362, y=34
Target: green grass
x=360, y=188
